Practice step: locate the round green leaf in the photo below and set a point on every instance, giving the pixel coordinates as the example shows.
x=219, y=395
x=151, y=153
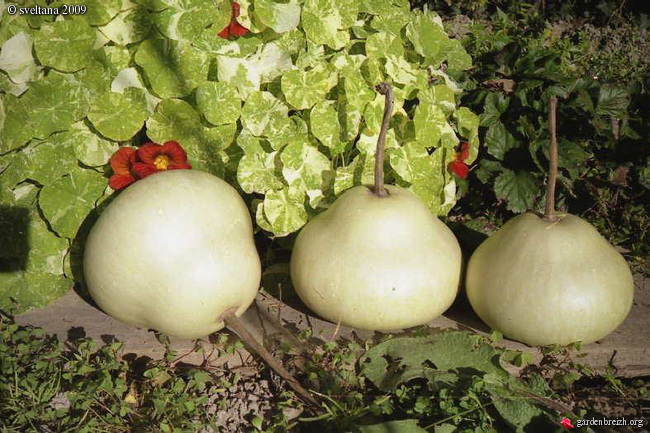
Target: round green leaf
x=64, y=45
x=16, y=58
x=119, y=116
x=306, y=169
x=303, y=89
x=256, y=172
x=128, y=27
x=263, y=114
x=325, y=124
x=67, y=202
x=173, y=68
x=13, y=131
x=281, y=17
x=89, y=148
x=285, y=211
x=325, y=21
x=186, y=19
x=219, y=102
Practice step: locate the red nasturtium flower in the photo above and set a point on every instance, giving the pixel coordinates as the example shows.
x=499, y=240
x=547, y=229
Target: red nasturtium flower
x=153, y=158
x=233, y=28
x=122, y=164
x=458, y=166
x=129, y=164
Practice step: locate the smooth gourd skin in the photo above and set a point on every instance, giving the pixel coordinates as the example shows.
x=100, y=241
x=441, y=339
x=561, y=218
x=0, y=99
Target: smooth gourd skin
x=173, y=252
x=376, y=263
x=544, y=283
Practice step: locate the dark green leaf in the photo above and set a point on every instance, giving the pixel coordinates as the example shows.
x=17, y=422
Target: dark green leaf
x=518, y=189
x=498, y=140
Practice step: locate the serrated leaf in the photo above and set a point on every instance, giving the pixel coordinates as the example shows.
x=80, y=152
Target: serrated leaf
x=64, y=45
x=16, y=58
x=281, y=17
x=173, y=68
x=218, y=102
x=325, y=21
x=499, y=140
x=67, y=201
x=303, y=89
x=612, y=101
x=448, y=351
x=89, y=148
x=402, y=426
x=518, y=189
x=285, y=211
x=119, y=116
x=263, y=114
x=496, y=103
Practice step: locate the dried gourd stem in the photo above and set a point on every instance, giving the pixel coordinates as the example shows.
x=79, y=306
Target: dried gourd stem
x=380, y=189
x=549, y=212
x=239, y=327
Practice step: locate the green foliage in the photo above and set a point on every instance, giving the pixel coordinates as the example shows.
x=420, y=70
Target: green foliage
x=288, y=113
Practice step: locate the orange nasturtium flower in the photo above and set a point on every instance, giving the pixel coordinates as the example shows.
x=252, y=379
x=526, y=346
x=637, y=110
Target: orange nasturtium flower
x=458, y=166
x=153, y=158
x=122, y=163
x=233, y=28
x=131, y=164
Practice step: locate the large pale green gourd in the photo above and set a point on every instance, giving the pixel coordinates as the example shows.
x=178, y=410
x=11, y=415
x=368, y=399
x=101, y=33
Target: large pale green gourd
x=544, y=282
x=549, y=279
x=173, y=252
x=377, y=261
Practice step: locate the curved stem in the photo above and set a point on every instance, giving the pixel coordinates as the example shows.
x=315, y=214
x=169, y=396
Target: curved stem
x=239, y=327
x=380, y=189
x=549, y=212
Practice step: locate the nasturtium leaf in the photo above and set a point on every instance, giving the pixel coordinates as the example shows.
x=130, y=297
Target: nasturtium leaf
x=347, y=64
x=372, y=71
x=119, y=116
x=325, y=125
x=456, y=55
x=186, y=19
x=467, y=124
x=64, y=45
x=440, y=95
x=427, y=35
x=303, y=89
x=367, y=142
x=499, y=140
x=325, y=21
x=98, y=12
x=285, y=211
x=16, y=58
x=173, y=68
x=403, y=72
x=43, y=162
x=246, y=74
x=13, y=131
x=357, y=91
x=128, y=27
x=311, y=57
x=263, y=113
x=289, y=130
x=256, y=172
x=219, y=102
x=306, y=169
x=89, y=148
x=344, y=177
x=260, y=218
x=518, y=189
x=31, y=289
x=67, y=201
x=381, y=44
x=430, y=124
x=391, y=19
x=291, y=42
x=114, y=58
x=54, y=103
x=281, y=17
x=129, y=78
x=177, y=120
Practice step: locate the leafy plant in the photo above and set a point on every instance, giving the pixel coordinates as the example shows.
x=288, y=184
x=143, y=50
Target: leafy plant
x=287, y=112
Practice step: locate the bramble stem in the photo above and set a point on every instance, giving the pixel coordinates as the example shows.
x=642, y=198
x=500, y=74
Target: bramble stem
x=386, y=90
x=239, y=327
x=549, y=213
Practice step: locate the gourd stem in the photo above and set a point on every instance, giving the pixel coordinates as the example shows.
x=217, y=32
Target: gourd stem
x=549, y=212
x=380, y=189
x=238, y=326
